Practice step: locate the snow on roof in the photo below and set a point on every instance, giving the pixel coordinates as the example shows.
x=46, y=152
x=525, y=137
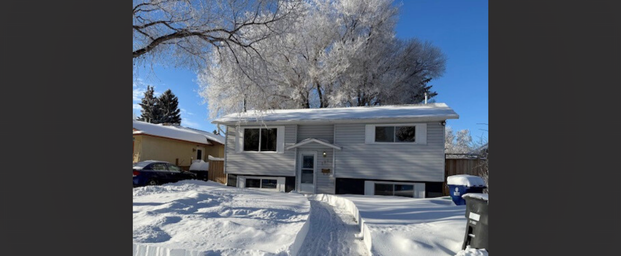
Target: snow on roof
x=177, y=132
x=411, y=112
x=481, y=196
x=210, y=136
x=465, y=180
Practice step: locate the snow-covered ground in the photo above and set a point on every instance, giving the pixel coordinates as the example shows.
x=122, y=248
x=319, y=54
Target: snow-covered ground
x=412, y=226
x=206, y=218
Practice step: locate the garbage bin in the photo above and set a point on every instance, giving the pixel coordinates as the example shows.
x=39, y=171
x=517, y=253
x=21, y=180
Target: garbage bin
x=463, y=184
x=477, y=224
x=201, y=168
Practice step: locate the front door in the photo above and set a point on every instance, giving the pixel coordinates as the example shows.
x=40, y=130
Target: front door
x=306, y=172
x=199, y=153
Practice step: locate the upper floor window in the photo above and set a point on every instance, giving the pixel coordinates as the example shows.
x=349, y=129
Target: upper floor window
x=413, y=133
x=395, y=133
x=260, y=139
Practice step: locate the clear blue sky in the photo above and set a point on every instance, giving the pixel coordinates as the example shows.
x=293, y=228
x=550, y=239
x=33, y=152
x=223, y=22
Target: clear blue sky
x=458, y=27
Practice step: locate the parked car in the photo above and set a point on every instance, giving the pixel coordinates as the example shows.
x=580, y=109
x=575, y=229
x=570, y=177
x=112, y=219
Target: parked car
x=153, y=172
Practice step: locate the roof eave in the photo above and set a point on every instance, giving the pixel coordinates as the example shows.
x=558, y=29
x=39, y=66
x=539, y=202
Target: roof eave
x=340, y=121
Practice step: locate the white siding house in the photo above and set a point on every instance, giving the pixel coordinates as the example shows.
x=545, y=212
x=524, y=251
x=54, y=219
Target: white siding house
x=386, y=150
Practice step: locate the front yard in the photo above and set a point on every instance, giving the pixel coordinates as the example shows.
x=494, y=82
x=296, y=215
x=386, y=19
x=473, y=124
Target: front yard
x=206, y=218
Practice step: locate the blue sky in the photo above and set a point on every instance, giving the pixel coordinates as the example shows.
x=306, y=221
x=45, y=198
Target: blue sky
x=458, y=27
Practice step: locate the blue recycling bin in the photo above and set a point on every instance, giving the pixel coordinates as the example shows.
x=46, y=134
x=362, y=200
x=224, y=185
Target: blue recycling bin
x=464, y=184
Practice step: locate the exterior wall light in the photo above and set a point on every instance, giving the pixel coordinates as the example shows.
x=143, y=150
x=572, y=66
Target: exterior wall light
x=324, y=154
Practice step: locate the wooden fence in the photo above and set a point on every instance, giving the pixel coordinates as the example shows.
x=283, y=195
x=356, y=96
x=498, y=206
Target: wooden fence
x=461, y=166
x=216, y=171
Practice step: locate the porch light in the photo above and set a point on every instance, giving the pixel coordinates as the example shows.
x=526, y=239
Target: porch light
x=324, y=154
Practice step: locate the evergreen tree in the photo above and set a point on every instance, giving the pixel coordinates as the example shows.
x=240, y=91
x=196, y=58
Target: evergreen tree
x=168, y=108
x=150, y=107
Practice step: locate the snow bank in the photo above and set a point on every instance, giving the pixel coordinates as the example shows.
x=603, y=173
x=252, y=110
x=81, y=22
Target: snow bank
x=195, y=217
x=472, y=252
x=465, y=180
x=412, y=226
x=349, y=206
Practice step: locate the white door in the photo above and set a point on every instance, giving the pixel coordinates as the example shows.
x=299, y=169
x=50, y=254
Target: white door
x=306, y=172
x=199, y=154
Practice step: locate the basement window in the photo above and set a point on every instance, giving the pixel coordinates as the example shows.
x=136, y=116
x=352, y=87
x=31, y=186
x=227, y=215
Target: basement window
x=271, y=183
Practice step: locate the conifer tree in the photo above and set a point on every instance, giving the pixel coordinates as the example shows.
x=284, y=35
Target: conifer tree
x=150, y=107
x=168, y=108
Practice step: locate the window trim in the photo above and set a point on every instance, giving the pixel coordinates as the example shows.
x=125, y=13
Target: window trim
x=280, y=140
x=419, y=187
x=420, y=137
x=280, y=182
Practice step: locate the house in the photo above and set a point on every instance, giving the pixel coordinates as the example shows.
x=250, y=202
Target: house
x=386, y=150
x=174, y=143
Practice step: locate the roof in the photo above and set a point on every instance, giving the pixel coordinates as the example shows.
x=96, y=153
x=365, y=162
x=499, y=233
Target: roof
x=313, y=140
x=418, y=112
x=177, y=132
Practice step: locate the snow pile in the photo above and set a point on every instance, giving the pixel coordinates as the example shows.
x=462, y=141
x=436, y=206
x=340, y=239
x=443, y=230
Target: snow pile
x=199, y=165
x=465, y=180
x=412, y=226
x=194, y=217
x=472, y=252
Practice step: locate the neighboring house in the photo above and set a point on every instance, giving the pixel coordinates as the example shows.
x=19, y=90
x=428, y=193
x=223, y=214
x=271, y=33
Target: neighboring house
x=386, y=150
x=174, y=143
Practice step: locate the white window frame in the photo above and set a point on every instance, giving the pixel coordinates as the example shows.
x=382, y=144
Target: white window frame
x=280, y=182
x=420, y=134
x=419, y=188
x=280, y=140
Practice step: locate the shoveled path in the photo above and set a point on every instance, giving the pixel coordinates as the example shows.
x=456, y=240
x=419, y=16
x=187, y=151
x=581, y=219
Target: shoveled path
x=331, y=232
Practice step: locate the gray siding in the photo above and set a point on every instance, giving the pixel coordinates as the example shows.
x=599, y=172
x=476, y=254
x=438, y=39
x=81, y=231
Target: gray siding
x=325, y=183
x=408, y=162
x=324, y=132
x=278, y=164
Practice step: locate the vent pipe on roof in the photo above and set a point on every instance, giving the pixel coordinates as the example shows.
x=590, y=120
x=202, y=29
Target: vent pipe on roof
x=425, y=98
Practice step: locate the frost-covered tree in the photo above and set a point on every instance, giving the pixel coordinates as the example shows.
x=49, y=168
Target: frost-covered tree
x=181, y=32
x=459, y=142
x=168, y=108
x=150, y=107
x=337, y=53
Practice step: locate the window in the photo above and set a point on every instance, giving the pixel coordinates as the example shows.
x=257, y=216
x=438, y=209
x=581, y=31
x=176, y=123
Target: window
x=260, y=139
x=174, y=168
x=158, y=167
x=395, y=133
x=269, y=183
x=253, y=183
x=273, y=183
x=413, y=133
x=388, y=188
x=394, y=190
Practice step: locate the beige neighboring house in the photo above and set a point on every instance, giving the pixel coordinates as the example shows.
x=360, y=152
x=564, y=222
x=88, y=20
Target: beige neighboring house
x=173, y=143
